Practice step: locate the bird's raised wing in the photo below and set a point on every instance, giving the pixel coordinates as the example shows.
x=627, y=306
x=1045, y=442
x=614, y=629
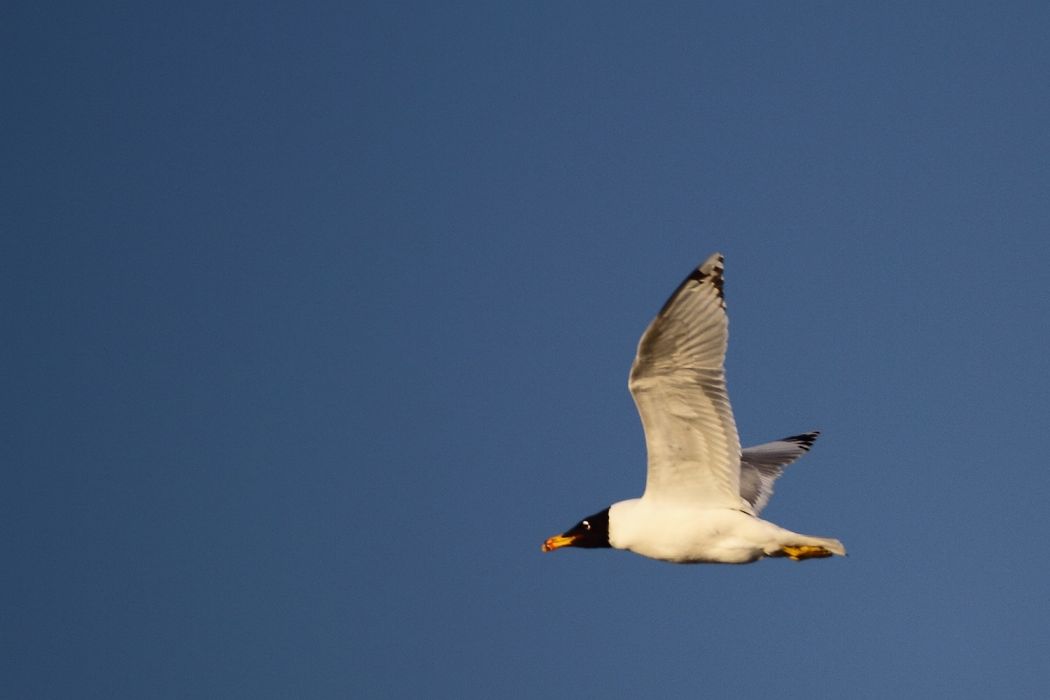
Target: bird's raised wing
x=678, y=384
x=762, y=464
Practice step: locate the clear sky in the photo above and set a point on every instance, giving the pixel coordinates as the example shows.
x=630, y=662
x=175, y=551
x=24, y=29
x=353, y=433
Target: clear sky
x=318, y=318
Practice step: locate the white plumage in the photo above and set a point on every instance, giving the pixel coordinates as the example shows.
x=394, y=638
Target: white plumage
x=703, y=493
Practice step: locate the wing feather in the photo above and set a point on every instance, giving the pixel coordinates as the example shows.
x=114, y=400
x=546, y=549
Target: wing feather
x=761, y=465
x=678, y=384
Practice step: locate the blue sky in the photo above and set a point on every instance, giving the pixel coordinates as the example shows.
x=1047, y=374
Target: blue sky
x=319, y=320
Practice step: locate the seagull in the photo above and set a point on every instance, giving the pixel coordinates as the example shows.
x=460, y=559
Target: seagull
x=703, y=494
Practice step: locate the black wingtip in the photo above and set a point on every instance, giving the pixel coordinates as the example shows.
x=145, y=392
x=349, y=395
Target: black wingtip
x=712, y=269
x=715, y=268
x=805, y=440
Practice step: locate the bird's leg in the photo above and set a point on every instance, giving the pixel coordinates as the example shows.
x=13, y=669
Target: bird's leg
x=799, y=552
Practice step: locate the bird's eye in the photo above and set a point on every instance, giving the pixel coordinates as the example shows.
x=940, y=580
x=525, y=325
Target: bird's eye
x=586, y=524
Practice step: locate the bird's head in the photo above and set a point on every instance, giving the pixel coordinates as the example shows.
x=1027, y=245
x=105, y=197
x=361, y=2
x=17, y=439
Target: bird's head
x=591, y=532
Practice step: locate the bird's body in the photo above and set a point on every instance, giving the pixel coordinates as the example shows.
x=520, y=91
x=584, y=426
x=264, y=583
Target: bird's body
x=701, y=535
x=703, y=493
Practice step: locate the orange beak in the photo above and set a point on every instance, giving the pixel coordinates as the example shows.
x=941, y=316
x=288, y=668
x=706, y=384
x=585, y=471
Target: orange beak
x=557, y=542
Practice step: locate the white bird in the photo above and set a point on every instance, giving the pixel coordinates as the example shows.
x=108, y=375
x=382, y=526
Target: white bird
x=703, y=493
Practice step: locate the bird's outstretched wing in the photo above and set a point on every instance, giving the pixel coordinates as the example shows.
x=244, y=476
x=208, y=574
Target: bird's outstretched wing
x=762, y=464
x=678, y=384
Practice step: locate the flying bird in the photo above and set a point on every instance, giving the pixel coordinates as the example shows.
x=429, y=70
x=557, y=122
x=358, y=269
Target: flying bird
x=703, y=494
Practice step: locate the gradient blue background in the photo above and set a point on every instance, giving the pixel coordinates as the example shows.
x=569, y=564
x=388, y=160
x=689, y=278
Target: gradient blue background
x=318, y=317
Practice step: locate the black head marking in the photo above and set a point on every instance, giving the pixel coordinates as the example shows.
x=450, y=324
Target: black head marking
x=591, y=532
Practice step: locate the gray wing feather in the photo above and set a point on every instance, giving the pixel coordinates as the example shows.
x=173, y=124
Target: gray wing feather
x=762, y=464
